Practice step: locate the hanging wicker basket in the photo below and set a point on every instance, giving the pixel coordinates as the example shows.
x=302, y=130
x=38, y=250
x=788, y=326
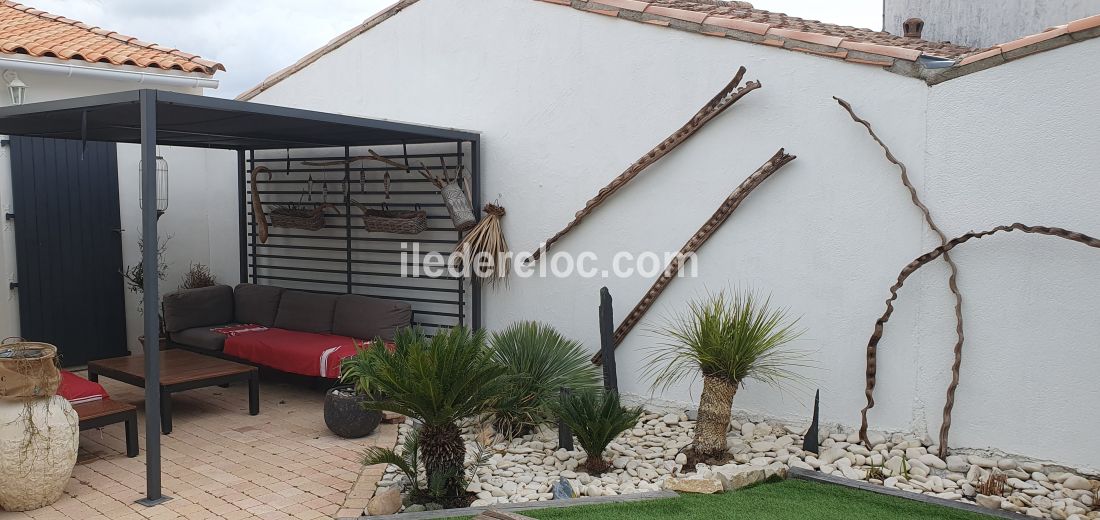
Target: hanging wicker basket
x=394, y=221
x=28, y=369
x=300, y=217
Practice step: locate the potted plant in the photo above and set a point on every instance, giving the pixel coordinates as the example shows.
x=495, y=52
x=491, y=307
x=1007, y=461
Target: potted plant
x=345, y=414
x=135, y=282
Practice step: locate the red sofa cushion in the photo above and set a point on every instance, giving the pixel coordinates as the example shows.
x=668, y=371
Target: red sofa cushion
x=78, y=390
x=305, y=353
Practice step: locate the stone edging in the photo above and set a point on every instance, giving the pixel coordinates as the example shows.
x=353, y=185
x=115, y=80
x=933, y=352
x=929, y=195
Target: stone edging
x=817, y=476
x=521, y=506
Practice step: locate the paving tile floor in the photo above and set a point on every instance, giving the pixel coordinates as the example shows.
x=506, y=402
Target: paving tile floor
x=220, y=462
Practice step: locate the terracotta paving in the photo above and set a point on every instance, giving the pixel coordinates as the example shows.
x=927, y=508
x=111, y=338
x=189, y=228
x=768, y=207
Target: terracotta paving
x=220, y=462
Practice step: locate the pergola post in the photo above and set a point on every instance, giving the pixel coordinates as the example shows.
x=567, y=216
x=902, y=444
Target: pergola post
x=148, y=103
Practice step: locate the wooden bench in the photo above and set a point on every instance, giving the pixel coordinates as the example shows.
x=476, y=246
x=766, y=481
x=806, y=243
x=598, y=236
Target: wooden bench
x=96, y=414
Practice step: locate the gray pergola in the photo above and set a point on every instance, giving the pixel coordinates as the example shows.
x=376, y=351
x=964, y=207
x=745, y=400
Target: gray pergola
x=153, y=117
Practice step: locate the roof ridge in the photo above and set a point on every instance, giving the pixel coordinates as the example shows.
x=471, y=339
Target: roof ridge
x=208, y=66
x=332, y=45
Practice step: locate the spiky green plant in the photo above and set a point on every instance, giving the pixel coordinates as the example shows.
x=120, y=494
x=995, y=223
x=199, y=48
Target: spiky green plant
x=438, y=381
x=596, y=418
x=727, y=340
x=540, y=362
x=356, y=369
x=408, y=461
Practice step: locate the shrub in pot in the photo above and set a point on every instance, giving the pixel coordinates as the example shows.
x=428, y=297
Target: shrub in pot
x=345, y=411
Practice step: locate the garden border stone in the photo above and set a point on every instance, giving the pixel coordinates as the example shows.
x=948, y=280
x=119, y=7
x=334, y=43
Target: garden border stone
x=817, y=476
x=521, y=506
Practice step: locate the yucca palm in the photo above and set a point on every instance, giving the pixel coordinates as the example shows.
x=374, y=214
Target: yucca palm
x=727, y=340
x=438, y=381
x=540, y=362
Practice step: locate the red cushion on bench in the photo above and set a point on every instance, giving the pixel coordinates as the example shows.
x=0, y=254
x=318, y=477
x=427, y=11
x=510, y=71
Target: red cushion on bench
x=78, y=390
x=305, y=353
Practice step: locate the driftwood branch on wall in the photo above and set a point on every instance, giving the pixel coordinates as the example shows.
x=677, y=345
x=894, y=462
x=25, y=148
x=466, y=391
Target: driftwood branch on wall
x=718, y=104
x=698, y=239
x=258, y=215
x=932, y=255
x=952, y=283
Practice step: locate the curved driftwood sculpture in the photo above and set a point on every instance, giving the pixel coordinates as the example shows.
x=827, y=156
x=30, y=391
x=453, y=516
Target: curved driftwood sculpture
x=952, y=280
x=697, y=240
x=872, y=346
x=258, y=215
x=718, y=104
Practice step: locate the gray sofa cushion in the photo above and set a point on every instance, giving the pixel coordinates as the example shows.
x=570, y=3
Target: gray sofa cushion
x=306, y=312
x=200, y=337
x=188, y=308
x=368, y=318
x=257, y=303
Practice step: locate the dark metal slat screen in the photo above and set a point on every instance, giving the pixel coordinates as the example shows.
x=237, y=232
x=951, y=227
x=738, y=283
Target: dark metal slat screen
x=345, y=258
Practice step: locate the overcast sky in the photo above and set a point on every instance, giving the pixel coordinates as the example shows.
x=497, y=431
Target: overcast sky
x=255, y=38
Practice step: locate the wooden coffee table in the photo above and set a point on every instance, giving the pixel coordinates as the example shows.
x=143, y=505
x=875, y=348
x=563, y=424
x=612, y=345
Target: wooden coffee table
x=180, y=370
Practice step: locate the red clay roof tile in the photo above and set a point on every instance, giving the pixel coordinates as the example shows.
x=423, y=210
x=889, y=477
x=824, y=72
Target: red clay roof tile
x=1034, y=38
x=32, y=32
x=1084, y=23
x=675, y=12
x=737, y=25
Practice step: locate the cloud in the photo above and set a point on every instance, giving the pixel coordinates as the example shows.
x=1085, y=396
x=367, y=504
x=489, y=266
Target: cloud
x=252, y=38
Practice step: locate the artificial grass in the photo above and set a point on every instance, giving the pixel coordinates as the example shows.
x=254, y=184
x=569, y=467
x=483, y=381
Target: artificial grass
x=786, y=500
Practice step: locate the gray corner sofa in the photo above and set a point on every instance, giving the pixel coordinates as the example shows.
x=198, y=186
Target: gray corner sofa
x=291, y=323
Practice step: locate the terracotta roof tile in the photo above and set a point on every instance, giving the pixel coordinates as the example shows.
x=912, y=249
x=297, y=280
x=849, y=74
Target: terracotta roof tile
x=24, y=30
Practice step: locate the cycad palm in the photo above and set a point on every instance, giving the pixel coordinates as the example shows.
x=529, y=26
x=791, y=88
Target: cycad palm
x=438, y=381
x=728, y=340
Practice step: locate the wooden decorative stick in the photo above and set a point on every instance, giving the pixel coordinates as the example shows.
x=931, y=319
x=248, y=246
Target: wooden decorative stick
x=719, y=103
x=698, y=239
x=952, y=283
x=908, y=270
x=258, y=215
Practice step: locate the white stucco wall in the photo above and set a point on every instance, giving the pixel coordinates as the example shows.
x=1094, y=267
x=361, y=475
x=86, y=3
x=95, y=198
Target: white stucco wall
x=202, y=186
x=565, y=100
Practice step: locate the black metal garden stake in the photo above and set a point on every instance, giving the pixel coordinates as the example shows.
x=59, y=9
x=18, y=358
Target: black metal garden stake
x=607, y=341
x=810, y=440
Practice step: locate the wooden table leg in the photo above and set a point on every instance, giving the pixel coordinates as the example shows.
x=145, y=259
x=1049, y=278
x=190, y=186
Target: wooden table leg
x=165, y=411
x=131, y=434
x=254, y=392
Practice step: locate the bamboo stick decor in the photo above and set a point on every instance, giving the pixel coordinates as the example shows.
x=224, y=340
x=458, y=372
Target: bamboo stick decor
x=718, y=104
x=872, y=346
x=952, y=280
x=700, y=237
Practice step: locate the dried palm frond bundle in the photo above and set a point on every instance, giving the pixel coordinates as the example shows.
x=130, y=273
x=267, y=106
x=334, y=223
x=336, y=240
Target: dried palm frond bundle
x=485, y=247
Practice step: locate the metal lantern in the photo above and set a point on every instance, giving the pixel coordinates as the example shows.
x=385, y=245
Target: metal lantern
x=162, y=186
x=16, y=88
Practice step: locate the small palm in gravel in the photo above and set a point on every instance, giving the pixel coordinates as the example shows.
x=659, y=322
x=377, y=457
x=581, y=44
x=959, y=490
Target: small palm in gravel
x=728, y=340
x=596, y=417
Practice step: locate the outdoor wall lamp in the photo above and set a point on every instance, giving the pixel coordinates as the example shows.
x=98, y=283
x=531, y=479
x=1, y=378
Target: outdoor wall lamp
x=162, y=186
x=16, y=88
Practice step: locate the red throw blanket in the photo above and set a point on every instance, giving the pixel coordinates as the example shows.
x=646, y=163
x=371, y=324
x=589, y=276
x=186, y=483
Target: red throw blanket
x=304, y=353
x=78, y=390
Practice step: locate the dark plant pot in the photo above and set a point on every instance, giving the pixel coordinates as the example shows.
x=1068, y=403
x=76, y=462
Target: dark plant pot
x=345, y=416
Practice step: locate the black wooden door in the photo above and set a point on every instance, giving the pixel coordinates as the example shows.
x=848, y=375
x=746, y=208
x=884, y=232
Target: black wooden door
x=69, y=247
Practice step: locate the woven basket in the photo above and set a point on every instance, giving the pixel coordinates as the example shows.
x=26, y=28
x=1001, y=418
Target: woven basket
x=28, y=369
x=298, y=218
x=394, y=221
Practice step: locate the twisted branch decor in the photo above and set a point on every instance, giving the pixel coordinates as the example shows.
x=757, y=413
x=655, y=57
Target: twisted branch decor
x=719, y=217
x=258, y=214
x=872, y=359
x=952, y=283
x=718, y=104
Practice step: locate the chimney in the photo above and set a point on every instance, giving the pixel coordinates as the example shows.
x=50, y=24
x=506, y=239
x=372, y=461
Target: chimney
x=912, y=27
